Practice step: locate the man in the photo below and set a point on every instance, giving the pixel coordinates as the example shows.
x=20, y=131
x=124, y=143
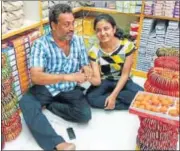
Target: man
x=59, y=62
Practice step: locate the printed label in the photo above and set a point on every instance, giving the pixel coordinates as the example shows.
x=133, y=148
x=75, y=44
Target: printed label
x=16, y=78
x=12, y=63
x=14, y=68
x=15, y=73
x=12, y=57
x=11, y=52
x=16, y=83
x=18, y=88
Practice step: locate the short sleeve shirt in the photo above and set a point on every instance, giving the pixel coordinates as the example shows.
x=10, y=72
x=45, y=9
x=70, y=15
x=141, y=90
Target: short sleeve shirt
x=46, y=54
x=111, y=64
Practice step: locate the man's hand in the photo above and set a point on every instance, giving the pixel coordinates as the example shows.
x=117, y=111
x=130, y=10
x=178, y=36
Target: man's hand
x=79, y=77
x=110, y=103
x=87, y=71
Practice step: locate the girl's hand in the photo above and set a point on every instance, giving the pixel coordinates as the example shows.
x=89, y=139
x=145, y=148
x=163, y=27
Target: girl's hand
x=110, y=103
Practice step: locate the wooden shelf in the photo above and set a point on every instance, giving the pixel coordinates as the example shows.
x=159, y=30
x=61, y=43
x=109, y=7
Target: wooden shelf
x=105, y=10
x=162, y=17
x=28, y=25
x=45, y=21
x=139, y=73
x=75, y=10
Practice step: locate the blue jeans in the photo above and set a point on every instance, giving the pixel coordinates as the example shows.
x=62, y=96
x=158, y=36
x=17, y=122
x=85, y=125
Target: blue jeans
x=70, y=105
x=96, y=95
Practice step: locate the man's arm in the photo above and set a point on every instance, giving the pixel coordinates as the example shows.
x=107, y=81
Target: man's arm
x=38, y=62
x=39, y=77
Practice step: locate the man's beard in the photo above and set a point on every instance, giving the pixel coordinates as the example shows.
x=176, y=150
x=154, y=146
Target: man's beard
x=67, y=37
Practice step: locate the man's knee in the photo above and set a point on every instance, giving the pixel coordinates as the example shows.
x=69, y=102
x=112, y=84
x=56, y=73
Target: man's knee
x=28, y=103
x=23, y=103
x=84, y=115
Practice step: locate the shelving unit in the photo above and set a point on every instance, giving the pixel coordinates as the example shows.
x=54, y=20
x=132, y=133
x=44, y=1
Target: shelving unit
x=161, y=17
x=110, y=11
x=34, y=20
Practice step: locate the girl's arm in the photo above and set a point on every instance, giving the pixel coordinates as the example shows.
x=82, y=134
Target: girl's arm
x=96, y=77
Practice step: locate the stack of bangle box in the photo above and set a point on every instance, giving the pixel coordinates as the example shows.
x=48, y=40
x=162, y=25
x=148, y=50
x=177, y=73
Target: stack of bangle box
x=10, y=121
x=159, y=121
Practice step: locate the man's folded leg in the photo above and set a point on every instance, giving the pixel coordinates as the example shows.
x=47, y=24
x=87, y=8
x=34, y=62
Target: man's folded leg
x=71, y=106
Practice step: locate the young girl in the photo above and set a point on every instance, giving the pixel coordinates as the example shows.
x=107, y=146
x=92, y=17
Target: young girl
x=111, y=61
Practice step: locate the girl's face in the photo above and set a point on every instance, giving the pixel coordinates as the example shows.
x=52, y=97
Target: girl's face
x=104, y=31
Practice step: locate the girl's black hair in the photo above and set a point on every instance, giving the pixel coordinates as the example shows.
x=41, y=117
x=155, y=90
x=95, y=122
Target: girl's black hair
x=119, y=32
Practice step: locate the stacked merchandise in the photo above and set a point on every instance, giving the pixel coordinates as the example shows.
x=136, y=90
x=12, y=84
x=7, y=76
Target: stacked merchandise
x=134, y=27
x=160, y=34
x=74, y=4
x=162, y=8
x=167, y=52
x=101, y=4
x=10, y=53
x=148, y=8
x=151, y=48
x=11, y=121
x=159, y=8
x=111, y=5
x=14, y=14
x=153, y=37
x=172, y=36
x=88, y=32
x=3, y=23
x=85, y=3
x=169, y=8
x=52, y=3
x=18, y=54
x=120, y=6
x=21, y=47
x=163, y=78
x=78, y=26
x=33, y=35
x=143, y=64
x=45, y=10
x=129, y=6
x=159, y=121
x=135, y=7
x=176, y=9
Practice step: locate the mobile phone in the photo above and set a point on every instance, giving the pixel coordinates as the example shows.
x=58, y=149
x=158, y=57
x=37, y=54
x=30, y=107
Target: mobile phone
x=71, y=133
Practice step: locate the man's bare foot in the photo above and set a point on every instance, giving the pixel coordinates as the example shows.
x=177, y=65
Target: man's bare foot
x=66, y=146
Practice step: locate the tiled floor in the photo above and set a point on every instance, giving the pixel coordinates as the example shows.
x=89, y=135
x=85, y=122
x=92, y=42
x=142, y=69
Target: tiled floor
x=114, y=130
